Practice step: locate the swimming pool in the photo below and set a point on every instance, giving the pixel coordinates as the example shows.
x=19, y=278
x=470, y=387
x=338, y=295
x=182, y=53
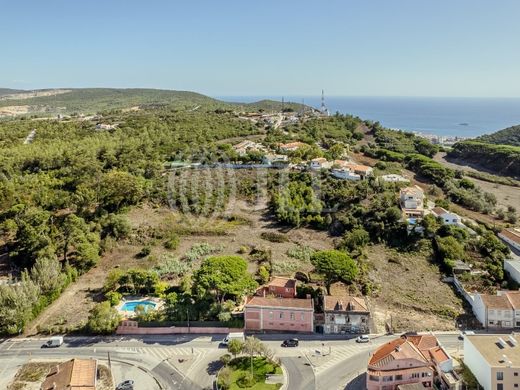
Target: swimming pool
x=132, y=305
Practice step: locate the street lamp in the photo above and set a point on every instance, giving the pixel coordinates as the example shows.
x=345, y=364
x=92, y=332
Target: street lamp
x=190, y=302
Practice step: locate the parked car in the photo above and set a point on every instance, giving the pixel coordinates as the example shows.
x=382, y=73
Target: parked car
x=363, y=339
x=290, y=343
x=126, y=385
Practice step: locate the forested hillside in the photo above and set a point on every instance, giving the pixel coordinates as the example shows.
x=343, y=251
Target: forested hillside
x=501, y=159
x=509, y=136
x=61, y=195
x=94, y=100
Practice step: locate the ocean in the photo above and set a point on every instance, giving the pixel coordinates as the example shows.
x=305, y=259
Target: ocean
x=463, y=117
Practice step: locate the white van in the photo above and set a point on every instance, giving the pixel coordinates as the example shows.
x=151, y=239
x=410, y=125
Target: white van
x=53, y=342
x=233, y=336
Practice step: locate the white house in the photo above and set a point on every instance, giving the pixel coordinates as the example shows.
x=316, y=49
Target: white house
x=448, y=218
x=511, y=237
x=361, y=170
x=345, y=174
x=498, y=311
x=246, y=146
x=319, y=163
x=275, y=159
x=393, y=178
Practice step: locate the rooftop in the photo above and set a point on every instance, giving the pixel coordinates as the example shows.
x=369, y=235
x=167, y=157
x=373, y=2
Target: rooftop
x=344, y=303
x=282, y=282
x=287, y=303
x=75, y=374
x=496, y=301
x=498, y=350
x=415, y=191
x=512, y=234
x=424, y=348
x=439, y=211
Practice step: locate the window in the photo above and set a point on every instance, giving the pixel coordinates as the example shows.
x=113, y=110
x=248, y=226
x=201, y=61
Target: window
x=500, y=376
x=271, y=315
x=500, y=386
x=515, y=374
x=398, y=377
x=291, y=316
x=373, y=378
x=516, y=385
x=303, y=316
x=281, y=315
x=388, y=378
x=415, y=375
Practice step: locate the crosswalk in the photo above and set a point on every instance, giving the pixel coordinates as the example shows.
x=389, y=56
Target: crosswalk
x=166, y=354
x=322, y=360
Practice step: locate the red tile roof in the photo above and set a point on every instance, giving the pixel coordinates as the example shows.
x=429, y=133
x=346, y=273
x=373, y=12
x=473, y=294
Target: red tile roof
x=282, y=282
x=288, y=303
x=424, y=348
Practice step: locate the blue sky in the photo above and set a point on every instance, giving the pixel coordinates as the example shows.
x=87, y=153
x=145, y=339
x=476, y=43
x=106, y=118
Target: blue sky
x=283, y=47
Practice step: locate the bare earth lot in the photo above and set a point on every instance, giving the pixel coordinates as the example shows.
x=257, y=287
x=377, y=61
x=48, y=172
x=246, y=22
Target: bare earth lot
x=412, y=295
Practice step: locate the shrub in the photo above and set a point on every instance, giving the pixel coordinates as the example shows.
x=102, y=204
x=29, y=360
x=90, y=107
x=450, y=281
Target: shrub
x=301, y=252
x=145, y=251
x=274, y=237
x=103, y=319
x=113, y=297
x=172, y=243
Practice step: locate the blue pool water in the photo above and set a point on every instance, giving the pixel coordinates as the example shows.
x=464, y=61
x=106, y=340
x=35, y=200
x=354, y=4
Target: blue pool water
x=132, y=305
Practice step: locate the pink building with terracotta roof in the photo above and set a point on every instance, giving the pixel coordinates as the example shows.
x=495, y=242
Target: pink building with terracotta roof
x=279, y=314
x=411, y=359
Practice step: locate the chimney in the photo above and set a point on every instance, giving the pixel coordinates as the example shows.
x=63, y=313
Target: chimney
x=398, y=348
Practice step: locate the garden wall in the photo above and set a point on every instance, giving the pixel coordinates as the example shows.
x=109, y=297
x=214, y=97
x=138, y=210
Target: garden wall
x=132, y=328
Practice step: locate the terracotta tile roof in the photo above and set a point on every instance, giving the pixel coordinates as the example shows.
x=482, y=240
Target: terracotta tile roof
x=438, y=355
x=396, y=349
x=358, y=167
x=75, y=374
x=512, y=234
x=282, y=282
x=424, y=348
x=496, y=302
x=289, y=303
x=415, y=191
x=344, y=303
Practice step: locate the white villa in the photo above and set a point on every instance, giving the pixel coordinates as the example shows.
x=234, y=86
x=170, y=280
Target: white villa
x=448, y=218
x=319, y=163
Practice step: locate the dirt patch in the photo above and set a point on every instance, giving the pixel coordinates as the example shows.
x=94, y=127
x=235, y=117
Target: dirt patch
x=412, y=295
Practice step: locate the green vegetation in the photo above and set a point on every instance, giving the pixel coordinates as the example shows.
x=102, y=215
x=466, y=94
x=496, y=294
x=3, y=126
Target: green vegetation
x=509, y=136
x=502, y=159
x=248, y=372
x=103, y=319
x=335, y=266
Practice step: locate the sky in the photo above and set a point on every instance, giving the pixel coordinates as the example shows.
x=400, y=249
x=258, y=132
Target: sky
x=268, y=47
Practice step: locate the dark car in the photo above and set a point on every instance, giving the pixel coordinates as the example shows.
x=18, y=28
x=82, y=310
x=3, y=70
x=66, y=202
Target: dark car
x=290, y=343
x=126, y=385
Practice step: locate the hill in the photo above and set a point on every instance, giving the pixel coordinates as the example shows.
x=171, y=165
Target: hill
x=8, y=91
x=93, y=100
x=499, y=159
x=509, y=136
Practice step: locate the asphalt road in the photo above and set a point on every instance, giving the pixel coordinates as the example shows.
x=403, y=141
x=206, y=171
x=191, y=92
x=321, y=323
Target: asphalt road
x=348, y=363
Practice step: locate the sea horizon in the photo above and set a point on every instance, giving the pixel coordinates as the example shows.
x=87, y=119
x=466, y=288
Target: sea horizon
x=442, y=116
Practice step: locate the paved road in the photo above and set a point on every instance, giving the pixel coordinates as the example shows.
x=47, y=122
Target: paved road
x=318, y=363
